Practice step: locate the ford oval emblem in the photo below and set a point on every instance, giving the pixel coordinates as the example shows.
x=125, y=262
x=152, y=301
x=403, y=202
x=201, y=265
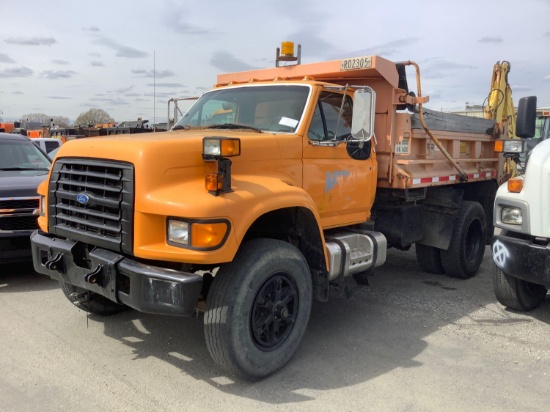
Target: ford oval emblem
x=82, y=198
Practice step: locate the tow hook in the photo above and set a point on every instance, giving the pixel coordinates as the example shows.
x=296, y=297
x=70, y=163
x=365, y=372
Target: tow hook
x=78, y=298
x=96, y=276
x=55, y=262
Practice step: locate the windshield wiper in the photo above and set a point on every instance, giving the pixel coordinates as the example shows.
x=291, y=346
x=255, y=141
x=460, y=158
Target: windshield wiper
x=233, y=126
x=7, y=169
x=180, y=127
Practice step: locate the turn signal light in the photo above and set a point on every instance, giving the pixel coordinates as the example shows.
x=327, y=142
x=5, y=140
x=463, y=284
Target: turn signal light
x=213, y=182
x=515, y=184
x=208, y=235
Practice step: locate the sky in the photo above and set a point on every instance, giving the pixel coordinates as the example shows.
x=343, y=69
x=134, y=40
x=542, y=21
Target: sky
x=129, y=58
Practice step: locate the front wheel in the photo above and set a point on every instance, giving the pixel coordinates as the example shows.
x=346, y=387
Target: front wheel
x=258, y=308
x=517, y=294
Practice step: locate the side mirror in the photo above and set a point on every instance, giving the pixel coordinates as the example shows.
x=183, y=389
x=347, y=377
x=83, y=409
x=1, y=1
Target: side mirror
x=526, y=117
x=362, y=121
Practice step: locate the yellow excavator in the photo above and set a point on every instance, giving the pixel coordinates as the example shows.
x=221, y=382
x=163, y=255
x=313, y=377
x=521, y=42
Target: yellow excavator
x=500, y=108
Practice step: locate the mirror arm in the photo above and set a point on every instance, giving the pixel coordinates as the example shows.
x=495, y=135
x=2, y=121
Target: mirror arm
x=405, y=98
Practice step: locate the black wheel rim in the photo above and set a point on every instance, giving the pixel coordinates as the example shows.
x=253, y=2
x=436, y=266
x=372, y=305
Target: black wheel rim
x=274, y=312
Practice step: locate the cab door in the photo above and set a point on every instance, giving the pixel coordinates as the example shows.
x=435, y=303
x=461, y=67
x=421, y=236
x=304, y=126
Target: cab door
x=341, y=182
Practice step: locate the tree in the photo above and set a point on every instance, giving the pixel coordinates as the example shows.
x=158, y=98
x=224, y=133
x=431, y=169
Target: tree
x=61, y=121
x=93, y=116
x=36, y=117
x=46, y=120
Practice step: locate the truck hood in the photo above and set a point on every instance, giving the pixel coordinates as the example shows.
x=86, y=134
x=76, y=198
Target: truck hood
x=21, y=183
x=173, y=159
x=156, y=156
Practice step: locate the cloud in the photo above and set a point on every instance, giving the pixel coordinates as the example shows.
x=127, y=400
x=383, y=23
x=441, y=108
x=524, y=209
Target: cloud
x=228, y=63
x=152, y=73
x=57, y=74
x=61, y=62
x=131, y=94
x=517, y=88
x=4, y=58
x=122, y=90
x=159, y=94
x=94, y=54
x=386, y=49
x=97, y=64
x=316, y=45
x=31, y=41
x=438, y=68
x=121, y=51
x=17, y=92
x=16, y=72
x=91, y=28
x=176, y=20
x=165, y=85
x=489, y=39
x=113, y=101
x=442, y=64
x=59, y=98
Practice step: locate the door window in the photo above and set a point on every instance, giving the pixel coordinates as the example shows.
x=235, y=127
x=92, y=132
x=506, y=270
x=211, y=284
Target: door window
x=332, y=119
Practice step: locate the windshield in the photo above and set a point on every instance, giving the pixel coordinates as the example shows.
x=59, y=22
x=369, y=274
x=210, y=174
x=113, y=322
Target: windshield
x=22, y=155
x=276, y=108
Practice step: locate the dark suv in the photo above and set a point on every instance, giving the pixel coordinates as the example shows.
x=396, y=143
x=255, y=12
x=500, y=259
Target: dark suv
x=22, y=167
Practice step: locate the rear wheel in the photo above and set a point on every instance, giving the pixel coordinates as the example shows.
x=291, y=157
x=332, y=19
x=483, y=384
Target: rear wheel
x=517, y=294
x=258, y=308
x=91, y=302
x=465, y=253
x=429, y=258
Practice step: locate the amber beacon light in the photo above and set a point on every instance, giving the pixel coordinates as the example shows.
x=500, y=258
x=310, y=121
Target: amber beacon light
x=286, y=54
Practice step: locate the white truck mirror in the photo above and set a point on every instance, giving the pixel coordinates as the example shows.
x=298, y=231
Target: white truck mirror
x=362, y=122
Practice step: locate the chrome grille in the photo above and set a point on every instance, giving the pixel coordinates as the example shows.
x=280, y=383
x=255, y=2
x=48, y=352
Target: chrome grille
x=17, y=214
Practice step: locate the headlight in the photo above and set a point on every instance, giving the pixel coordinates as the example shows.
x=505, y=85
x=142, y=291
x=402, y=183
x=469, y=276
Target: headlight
x=511, y=216
x=216, y=147
x=178, y=232
x=509, y=146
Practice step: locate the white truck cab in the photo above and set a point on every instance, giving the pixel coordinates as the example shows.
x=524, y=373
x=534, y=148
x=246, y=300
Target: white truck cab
x=522, y=249
x=47, y=144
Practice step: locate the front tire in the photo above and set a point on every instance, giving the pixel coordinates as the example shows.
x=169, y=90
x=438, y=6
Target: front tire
x=465, y=253
x=517, y=294
x=91, y=302
x=258, y=308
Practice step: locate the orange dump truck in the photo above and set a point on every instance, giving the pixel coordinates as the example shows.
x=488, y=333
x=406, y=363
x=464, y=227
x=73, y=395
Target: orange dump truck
x=298, y=188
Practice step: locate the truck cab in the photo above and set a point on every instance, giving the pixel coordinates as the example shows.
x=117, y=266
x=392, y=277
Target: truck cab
x=521, y=251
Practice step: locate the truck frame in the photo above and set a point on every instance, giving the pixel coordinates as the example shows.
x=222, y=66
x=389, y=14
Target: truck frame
x=276, y=187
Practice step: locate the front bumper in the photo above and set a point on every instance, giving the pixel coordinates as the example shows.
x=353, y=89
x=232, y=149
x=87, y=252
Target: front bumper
x=523, y=259
x=143, y=287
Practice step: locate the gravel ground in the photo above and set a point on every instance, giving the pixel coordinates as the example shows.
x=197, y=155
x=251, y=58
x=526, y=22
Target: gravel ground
x=411, y=342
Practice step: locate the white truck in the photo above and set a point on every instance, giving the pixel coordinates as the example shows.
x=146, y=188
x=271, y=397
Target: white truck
x=48, y=144
x=522, y=211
